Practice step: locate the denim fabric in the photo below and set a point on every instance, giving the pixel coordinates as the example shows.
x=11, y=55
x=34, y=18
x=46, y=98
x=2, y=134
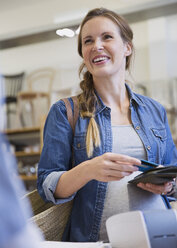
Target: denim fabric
x=149, y=120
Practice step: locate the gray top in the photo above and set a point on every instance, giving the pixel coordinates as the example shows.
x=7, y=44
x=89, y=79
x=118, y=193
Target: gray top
x=121, y=196
x=127, y=141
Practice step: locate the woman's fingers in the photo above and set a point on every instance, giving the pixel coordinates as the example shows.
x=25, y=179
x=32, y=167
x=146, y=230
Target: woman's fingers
x=149, y=188
x=156, y=189
x=110, y=165
x=125, y=167
x=119, y=174
x=121, y=162
x=120, y=158
x=168, y=187
x=112, y=178
x=114, y=166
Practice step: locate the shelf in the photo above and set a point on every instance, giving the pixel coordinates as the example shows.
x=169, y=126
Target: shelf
x=27, y=143
x=26, y=154
x=24, y=136
x=22, y=130
x=28, y=178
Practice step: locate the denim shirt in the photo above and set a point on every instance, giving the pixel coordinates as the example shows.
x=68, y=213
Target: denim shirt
x=150, y=122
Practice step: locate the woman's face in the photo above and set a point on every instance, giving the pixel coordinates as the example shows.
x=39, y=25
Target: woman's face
x=103, y=49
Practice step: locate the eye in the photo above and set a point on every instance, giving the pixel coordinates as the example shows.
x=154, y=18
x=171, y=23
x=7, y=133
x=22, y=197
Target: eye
x=87, y=41
x=108, y=37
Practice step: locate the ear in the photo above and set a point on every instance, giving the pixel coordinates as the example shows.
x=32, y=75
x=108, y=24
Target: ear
x=128, y=49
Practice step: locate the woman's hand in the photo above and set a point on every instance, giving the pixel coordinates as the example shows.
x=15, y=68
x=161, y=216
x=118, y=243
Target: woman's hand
x=157, y=189
x=111, y=167
x=105, y=168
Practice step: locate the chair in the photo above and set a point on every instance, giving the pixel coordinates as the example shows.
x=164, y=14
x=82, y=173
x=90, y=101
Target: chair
x=12, y=84
x=50, y=218
x=39, y=83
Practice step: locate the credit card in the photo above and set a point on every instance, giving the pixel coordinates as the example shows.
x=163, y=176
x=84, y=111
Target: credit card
x=146, y=165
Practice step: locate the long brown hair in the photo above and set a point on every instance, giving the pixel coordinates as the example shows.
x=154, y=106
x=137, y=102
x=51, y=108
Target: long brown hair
x=88, y=99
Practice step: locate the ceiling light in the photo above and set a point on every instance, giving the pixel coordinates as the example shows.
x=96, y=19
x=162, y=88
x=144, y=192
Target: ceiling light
x=68, y=32
x=59, y=32
x=65, y=32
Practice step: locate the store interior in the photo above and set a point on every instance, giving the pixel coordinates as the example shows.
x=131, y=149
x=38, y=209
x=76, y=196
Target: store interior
x=38, y=67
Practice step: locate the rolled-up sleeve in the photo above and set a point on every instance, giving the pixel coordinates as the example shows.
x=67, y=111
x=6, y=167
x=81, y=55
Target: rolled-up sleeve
x=56, y=153
x=49, y=186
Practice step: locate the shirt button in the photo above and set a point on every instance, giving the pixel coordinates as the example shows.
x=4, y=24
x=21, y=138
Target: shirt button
x=138, y=127
x=78, y=145
x=148, y=147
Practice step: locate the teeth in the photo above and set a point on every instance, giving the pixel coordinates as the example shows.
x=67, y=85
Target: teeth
x=99, y=59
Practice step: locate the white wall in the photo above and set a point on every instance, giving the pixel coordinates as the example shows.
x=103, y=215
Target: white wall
x=60, y=54
x=140, y=70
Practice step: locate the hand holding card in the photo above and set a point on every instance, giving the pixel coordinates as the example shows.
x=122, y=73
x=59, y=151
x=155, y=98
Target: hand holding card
x=155, y=175
x=146, y=165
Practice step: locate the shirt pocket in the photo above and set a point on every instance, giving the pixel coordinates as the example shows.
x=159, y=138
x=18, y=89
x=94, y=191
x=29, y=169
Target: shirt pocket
x=160, y=137
x=160, y=133
x=79, y=148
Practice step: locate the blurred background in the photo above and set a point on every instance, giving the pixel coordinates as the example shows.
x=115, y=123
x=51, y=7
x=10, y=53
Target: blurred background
x=39, y=62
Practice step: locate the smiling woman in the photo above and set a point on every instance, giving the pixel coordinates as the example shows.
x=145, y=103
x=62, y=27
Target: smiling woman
x=103, y=50
x=112, y=134
x=104, y=35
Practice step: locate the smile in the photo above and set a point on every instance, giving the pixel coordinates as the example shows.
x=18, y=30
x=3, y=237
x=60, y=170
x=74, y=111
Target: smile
x=100, y=59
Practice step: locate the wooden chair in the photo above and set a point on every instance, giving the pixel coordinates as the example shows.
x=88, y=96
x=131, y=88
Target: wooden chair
x=50, y=218
x=39, y=84
x=12, y=84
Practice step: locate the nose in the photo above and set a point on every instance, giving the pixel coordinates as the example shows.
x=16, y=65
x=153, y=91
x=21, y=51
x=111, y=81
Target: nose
x=97, y=45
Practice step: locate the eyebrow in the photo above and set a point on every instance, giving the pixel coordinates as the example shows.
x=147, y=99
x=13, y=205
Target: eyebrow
x=89, y=36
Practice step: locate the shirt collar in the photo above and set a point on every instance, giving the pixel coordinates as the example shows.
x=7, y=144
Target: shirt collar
x=100, y=106
x=133, y=98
